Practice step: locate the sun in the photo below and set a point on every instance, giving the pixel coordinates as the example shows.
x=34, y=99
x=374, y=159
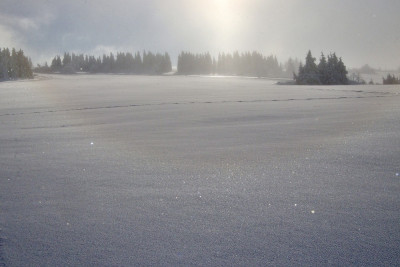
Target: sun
x=224, y=21
x=222, y=8
x=222, y=3
x=223, y=17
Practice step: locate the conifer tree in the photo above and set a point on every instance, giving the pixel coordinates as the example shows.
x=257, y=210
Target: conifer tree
x=341, y=69
x=334, y=76
x=391, y=79
x=330, y=71
x=308, y=74
x=56, y=64
x=66, y=59
x=138, y=66
x=323, y=69
x=14, y=65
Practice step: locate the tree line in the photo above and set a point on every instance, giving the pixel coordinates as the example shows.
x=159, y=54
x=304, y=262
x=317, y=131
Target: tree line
x=391, y=79
x=329, y=71
x=245, y=64
x=145, y=63
x=14, y=65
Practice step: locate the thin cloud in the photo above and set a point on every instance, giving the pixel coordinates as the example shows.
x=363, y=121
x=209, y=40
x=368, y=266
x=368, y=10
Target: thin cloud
x=361, y=31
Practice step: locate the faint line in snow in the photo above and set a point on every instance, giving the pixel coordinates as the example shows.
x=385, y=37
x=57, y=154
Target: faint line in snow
x=190, y=103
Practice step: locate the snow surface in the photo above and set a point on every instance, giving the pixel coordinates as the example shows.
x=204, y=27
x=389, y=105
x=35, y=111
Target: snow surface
x=109, y=170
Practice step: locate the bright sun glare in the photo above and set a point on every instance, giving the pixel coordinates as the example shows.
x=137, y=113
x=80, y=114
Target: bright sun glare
x=222, y=17
x=223, y=10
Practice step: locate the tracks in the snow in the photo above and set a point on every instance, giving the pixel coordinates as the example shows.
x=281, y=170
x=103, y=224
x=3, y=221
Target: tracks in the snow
x=192, y=103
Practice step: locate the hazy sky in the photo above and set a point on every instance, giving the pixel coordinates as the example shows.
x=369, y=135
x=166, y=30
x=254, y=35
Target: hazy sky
x=360, y=31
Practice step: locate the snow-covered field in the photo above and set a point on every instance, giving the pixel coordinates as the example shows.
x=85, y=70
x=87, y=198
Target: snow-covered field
x=109, y=170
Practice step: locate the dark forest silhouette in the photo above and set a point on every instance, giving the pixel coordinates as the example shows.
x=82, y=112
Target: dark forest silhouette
x=145, y=63
x=148, y=63
x=14, y=65
x=329, y=71
x=391, y=79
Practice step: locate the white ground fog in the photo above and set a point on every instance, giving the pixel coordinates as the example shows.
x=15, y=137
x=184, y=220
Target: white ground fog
x=109, y=170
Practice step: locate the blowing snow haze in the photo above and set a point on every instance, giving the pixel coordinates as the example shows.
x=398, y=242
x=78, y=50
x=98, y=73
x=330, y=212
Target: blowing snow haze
x=361, y=31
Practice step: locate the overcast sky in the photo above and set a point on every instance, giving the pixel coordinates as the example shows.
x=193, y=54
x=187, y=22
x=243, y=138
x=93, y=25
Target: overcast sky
x=360, y=31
